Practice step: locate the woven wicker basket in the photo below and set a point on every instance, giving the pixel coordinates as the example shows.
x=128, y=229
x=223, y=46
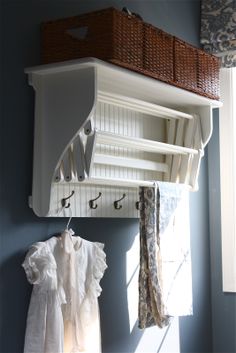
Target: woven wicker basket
x=108, y=34
x=185, y=69
x=127, y=41
x=158, y=58
x=208, y=75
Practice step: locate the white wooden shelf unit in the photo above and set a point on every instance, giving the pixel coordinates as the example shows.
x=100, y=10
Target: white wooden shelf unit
x=101, y=130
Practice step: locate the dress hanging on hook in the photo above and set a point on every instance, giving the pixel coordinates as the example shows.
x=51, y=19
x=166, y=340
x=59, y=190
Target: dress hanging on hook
x=55, y=269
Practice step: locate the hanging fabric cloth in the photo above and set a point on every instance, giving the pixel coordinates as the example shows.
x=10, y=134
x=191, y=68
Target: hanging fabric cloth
x=165, y=282
x=218, y=29
x=63, y=315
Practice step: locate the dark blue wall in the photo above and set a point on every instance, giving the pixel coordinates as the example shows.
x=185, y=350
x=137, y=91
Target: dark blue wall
x=19, y=227
x=223, y=304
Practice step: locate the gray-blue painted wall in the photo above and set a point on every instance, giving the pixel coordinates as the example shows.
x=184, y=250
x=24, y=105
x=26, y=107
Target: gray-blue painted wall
x=19, y=227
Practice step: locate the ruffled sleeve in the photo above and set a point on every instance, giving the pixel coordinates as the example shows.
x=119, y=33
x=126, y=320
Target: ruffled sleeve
x=99, y=266
x=40, y=266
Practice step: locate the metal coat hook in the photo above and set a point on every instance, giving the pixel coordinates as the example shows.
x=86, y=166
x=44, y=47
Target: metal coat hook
x=92, y=204
x=63, y=201
x=116, y=203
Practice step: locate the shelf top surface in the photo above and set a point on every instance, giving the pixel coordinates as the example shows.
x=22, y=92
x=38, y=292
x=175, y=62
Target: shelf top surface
x=116, y=79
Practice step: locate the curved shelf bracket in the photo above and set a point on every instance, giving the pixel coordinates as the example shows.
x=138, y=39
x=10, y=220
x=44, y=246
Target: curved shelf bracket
x=64, y=103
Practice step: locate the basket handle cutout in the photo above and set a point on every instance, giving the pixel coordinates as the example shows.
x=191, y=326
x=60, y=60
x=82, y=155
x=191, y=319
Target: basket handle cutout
x=78, y=33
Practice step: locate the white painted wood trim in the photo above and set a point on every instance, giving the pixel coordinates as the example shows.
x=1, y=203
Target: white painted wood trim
x=177, y=157
x=142, y=144
x=126, y=78
x=130, y=163
x=228, y=177
x=118, y=182
x=141, y=106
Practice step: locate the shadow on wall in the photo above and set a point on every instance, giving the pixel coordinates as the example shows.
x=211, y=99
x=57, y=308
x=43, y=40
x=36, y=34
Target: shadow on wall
x=117, y=333
x=119, y=298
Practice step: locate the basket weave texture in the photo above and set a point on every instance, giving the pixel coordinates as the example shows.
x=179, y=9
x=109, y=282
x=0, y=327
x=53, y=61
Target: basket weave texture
x=158, y=55
x=114, y=36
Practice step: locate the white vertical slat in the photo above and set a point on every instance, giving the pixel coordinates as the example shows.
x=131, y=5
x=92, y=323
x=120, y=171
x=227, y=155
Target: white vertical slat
x=101, y=127
x=186, y=160
x=62, y=195
x=67, y=191
x=138, y=133
x=171, y=131
x=89, y=196
x=79, y=201
x=79, y=158
x=99, y=117
x=83, y=200
x=116, y=115
x=67, y=165
x=58, y=175
x=113, y=129
x=176, y=158
x=99, y=201
x=73, y=199
x=90, y=150
x=109, y=149
x=129, y=133
x=198, y=144
x=106, y=128
x=133, y=134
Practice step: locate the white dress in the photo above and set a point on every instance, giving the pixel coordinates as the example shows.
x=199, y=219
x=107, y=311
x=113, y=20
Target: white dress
x=63, y=315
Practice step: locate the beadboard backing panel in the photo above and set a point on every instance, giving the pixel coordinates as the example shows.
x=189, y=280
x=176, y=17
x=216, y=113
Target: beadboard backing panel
x=125, y=122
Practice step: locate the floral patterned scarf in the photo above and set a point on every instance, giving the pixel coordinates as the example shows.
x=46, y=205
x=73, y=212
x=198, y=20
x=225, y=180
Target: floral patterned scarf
x=165, y=282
